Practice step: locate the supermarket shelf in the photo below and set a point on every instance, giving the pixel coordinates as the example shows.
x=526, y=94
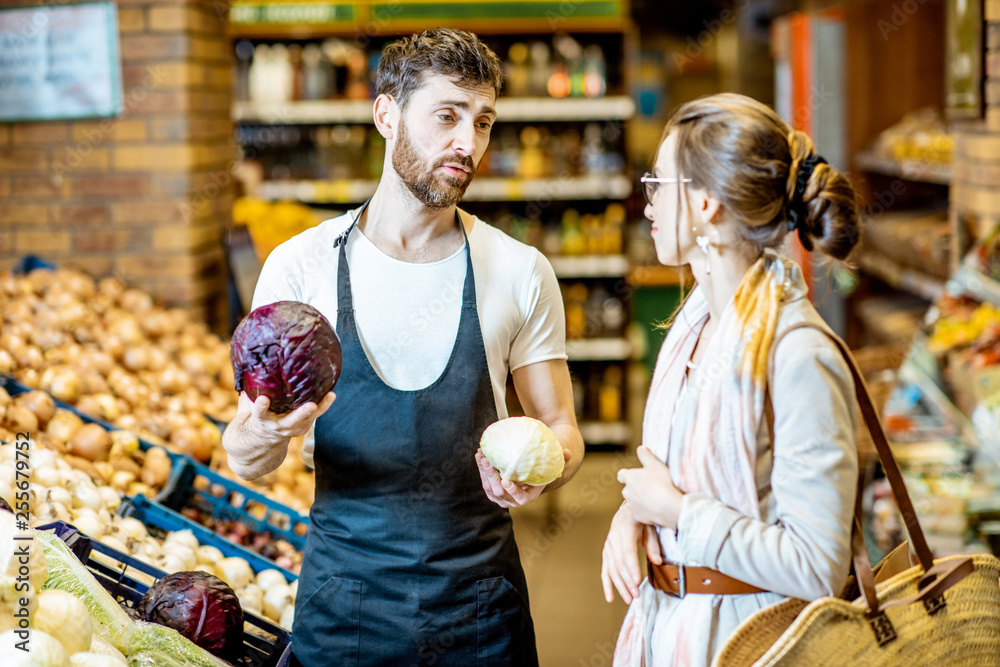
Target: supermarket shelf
x=657, y=276
x=606, y=433
x=509, y=110
x=911, y=170
x=974, y=283
x=590, y=266
x=483, y=189
x=900, y=277
x=598, y=349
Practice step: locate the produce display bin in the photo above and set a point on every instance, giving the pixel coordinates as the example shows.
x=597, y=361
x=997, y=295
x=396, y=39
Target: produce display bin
x=224, y=499
x=156, y=517
x=268, y=646
x=178, y=462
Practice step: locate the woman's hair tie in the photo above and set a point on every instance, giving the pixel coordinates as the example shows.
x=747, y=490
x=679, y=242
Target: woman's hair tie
x=796, y=207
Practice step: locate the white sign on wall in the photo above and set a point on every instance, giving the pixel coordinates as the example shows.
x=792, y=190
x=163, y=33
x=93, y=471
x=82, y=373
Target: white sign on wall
x=59, y=62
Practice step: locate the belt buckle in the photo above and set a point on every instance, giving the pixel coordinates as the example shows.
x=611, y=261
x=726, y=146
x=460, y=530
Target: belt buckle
x=681, y=582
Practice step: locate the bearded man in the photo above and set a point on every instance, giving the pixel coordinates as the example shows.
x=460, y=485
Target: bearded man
x=411, y=558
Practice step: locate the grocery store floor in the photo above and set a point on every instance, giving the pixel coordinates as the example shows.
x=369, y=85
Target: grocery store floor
x=560, y=537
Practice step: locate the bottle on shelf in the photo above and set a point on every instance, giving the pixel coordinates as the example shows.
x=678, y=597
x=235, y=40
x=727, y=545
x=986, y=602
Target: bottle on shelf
x=596, y=326
x=595, y=72
x=576, y=311
x=609, y=402
x=531, y=162
x=572, y=236
x=539, y=70
x=516, y=72
x=241, y=79
x=315, y=77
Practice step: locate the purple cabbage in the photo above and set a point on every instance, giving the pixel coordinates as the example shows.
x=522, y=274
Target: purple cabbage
x=200, y=606
x=288, y=352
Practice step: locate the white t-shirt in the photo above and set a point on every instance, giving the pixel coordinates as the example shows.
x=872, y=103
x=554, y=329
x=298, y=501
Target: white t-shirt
x=407, y=314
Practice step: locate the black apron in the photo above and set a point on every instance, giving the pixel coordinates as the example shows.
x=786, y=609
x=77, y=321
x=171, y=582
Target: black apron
x=407, y=561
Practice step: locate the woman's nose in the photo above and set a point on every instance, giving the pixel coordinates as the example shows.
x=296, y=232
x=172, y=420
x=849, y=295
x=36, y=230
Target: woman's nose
x=648, y=212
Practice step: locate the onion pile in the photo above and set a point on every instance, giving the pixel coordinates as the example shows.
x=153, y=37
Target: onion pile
x=111, y=353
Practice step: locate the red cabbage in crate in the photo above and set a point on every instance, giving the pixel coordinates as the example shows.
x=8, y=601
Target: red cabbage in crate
x=201, y=607
x=288, y=352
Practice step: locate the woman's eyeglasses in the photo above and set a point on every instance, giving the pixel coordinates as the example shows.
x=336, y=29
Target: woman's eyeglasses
x=651, y=182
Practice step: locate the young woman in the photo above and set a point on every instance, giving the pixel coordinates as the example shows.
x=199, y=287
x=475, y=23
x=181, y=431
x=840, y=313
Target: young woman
x=735, y=513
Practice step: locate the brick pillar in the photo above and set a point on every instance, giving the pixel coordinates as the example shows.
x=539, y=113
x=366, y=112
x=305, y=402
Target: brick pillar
x=975, y=187
x=146, y=196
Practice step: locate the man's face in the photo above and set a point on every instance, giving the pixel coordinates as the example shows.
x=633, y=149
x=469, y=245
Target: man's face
x=441, y=138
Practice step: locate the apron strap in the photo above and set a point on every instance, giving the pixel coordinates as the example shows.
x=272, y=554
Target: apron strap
x=344, y=303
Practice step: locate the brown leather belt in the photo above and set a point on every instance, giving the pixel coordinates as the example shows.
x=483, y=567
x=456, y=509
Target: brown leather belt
x=679, y=580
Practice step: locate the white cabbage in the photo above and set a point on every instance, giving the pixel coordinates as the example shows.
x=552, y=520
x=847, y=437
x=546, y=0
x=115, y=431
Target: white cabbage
x=523, y=450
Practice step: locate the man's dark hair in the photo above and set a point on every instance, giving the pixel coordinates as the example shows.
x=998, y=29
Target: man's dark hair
x=456, y=54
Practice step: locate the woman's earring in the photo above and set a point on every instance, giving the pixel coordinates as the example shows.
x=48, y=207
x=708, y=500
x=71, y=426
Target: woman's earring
x=703, y=242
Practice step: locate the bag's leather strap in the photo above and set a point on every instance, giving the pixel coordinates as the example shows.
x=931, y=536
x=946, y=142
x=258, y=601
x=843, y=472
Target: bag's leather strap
x=892, y=472
x=936, y=579
x=679, y=580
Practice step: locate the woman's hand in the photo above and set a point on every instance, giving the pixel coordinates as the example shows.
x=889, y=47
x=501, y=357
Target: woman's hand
x=620, y=559
x=504, y=492
x=650, y=493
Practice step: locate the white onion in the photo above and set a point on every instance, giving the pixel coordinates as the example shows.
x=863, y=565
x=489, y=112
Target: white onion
x=185, y=537
x=171, y=563
x=89, y=497
x=235, y=571
x=132, y=527
x=89, y=526
x=182, y=552
x=57, y=494
x=252, y=599
x=47, y=476
x=276, y=599
x=110, y=497
x=208, y=555
x=267, y=578
x=287, y=617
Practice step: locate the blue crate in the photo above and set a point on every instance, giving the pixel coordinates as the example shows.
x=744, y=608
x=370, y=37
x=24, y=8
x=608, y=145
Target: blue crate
x=178, y=462
x=157, y=517
x=29, y=263
x=272, y=651
x=224, y=499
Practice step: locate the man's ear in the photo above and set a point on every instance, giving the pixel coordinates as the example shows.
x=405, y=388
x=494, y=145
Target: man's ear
x=386, y=113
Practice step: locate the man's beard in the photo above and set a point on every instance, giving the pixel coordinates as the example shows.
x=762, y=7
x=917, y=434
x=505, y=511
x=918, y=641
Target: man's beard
x=433, y=188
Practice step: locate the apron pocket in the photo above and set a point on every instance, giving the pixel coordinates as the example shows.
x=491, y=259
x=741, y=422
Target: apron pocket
x=328, y=625
x=504, y=625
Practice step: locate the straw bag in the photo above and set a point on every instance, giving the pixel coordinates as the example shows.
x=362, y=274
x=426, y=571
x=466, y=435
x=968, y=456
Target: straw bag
x=938, y=612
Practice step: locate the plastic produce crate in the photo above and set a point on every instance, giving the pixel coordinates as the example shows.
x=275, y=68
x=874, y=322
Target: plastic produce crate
x=158, y=518
x=269, y=646
x=178, y=462
x=224, y=499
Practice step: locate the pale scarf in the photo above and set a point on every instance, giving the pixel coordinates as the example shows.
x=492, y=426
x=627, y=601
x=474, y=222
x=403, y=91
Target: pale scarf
x=720, y=449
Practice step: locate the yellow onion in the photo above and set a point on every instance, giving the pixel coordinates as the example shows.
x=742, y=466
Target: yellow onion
x=90, y=442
